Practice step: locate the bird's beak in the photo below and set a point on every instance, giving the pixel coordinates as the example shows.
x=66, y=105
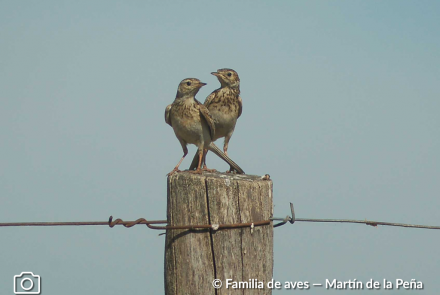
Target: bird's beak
x=215, y=74
x=201, y=84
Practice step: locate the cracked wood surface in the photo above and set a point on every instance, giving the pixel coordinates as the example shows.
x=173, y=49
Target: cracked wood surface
x=193, y=259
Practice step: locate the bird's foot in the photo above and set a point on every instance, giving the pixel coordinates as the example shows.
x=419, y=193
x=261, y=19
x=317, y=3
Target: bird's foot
x=197, y=171
x=174, y=171
x=231, y=170
x=208, y=170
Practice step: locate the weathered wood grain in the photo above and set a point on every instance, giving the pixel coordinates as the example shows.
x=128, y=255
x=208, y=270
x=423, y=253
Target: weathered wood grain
x=193, y=259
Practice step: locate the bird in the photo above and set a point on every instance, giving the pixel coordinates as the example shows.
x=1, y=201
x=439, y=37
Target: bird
x=225, y=106
x=192, y=123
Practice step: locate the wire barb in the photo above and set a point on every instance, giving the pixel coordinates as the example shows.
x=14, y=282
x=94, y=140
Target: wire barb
x=288, y=218
x=137, y=221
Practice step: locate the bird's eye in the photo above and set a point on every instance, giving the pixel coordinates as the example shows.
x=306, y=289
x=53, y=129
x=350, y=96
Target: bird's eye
x=229, y=74
x=188, y=83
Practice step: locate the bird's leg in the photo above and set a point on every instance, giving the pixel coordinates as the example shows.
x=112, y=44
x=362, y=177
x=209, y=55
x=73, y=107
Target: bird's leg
x=198, y=170
x=205, y=151
x=176, y=169
x=225, y=150
x=205, y=168
x=226, y=144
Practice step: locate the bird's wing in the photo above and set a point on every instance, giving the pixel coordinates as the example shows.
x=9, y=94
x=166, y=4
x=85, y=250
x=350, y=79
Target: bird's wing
x=167, y=114
x=210, y=98
x=208, y=118
x=240, y=106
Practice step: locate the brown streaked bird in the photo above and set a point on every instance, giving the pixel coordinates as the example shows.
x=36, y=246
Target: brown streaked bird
x=225, y=106
x=192, y=123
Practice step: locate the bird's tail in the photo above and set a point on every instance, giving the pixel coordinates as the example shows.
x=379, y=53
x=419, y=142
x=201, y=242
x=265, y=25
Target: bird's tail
x=213, y=148
x=195, y=162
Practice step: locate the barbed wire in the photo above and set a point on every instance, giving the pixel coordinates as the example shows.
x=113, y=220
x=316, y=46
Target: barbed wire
x=291, y=219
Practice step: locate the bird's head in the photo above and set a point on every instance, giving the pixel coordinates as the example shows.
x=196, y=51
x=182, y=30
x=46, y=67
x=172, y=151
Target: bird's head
x=227, y=77
x=189, y=87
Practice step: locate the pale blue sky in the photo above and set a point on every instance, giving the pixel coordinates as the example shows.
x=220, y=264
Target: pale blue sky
x=341, y=108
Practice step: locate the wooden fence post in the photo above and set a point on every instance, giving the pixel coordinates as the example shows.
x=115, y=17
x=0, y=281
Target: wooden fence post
x=194, y=258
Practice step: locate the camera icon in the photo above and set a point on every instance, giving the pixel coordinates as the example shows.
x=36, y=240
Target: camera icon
x=29, y=283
